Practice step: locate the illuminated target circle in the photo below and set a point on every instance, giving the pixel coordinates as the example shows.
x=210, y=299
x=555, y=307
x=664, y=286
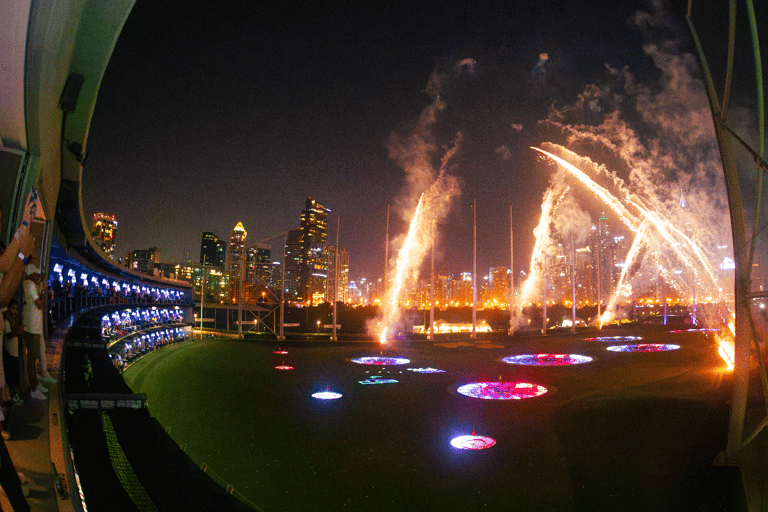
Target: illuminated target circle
x=643, y=347
x=425, y=370
x=547, y=359
x=695, y=330
x=501, y=390
x=381, y=360
x=283, y=367
x=280, y=352
x=326, y=395
x=472, y=442
x=616, y=339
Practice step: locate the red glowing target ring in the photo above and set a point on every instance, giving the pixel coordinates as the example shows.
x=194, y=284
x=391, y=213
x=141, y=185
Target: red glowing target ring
x=547, y=359
x=643, y=347
x=472, y=442
x=501, y=390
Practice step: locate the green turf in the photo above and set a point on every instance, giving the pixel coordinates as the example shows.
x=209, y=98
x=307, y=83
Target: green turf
x=629, y=432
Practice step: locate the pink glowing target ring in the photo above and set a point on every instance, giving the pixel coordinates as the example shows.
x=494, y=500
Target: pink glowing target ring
x=283, y=367
x=643, y=347
x=547, y=359
x=501, y=390
x=615, y=339
x=381, y=360
x=472, y=442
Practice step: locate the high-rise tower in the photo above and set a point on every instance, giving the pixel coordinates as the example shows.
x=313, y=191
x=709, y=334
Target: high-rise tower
x=213, y=250
x=103, y=232
x=313, y=268
x=235, y=260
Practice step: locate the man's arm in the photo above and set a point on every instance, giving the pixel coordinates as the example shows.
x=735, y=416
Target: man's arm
x=13, y=276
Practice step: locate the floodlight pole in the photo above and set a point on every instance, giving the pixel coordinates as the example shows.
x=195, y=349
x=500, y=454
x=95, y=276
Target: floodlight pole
x=202, y=297
x=473, y=334
x=281, y=336
x=336, y=278
x=431, y=333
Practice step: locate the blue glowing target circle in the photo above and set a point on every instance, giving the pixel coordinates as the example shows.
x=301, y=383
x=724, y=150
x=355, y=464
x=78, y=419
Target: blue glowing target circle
x=381, y=360
x=643, y=347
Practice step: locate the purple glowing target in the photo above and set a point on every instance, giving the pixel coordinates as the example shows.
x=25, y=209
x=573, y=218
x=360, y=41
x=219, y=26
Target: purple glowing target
x=547, y=359
x=643, y=347
x=615, y=339
x=501, y=390
x=283, y=367
x=695, y=330
x=473, y=442
x=381, y=360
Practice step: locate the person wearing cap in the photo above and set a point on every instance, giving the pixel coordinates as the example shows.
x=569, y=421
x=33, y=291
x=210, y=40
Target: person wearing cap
x=33, y=328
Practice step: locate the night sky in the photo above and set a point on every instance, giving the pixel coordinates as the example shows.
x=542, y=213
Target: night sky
x=209, y=115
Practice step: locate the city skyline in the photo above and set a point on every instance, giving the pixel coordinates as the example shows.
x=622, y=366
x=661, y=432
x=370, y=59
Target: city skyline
x=315, y=106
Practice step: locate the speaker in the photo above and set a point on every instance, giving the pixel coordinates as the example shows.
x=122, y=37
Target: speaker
x=68, y=99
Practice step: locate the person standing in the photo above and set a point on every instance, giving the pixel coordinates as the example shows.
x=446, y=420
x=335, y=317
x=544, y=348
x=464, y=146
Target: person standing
x=13, y=332
x=33, y=328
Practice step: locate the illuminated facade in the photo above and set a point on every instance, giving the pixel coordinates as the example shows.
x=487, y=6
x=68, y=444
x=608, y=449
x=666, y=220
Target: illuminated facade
x=143, y=260
x=213, y=250
x=235, y=257
x=103, y=231
x=313, y=264
x=292, y=263
x=342, y=287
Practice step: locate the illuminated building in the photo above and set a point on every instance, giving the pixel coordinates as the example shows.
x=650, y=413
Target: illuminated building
x=212, y=250
x=314, y=256
x=143, y=260
x=462, y=290
x=235, y=256
x=103, y=232
x=292, y=262
x=342, y=287
x=258, y=264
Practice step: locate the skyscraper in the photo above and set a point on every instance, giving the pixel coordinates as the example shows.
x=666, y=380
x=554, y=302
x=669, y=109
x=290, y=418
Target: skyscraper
x=212, y=250
x=103, y=232
x=313, y=270
x=235, y=256
x=258, y=264
x=292, y=263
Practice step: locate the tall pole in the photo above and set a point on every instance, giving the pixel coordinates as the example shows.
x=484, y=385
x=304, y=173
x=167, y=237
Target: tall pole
x=202, y=298
x=573, y=284
x=474, y=269
x=281, y=337
x=431, y=334
x=336, y=278
x=386, y=255
x=544, y=308
x=512, y=298
x=599, y=281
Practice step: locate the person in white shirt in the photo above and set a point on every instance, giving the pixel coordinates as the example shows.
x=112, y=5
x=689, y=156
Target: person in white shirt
x=33, y=328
